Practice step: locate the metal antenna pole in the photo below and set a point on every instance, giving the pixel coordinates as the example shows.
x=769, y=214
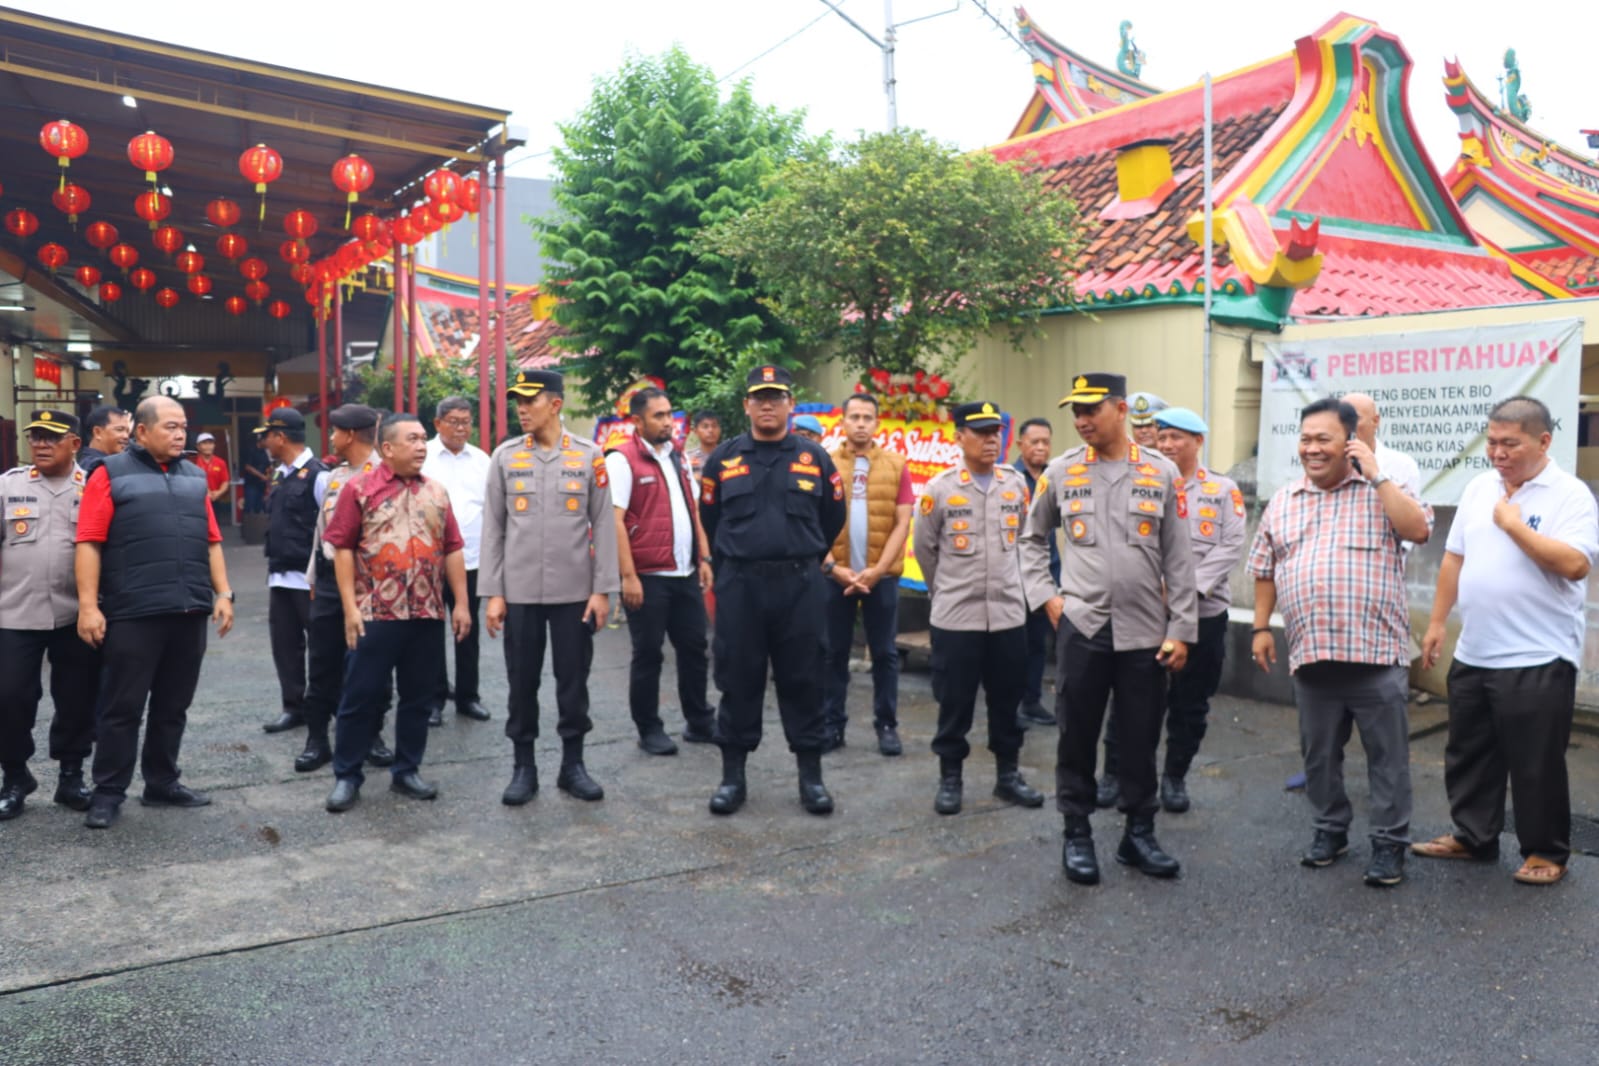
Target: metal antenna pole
x=888, y=64
x=1210, y=233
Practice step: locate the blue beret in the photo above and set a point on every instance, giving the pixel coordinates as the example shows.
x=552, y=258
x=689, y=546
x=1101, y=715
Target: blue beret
x=810, y=422
x=1180, y=418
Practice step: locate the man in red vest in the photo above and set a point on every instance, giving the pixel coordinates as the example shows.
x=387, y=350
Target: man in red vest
x=665, y=566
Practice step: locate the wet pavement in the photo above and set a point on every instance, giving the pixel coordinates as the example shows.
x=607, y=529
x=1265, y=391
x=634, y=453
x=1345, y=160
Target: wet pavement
x=643, y=930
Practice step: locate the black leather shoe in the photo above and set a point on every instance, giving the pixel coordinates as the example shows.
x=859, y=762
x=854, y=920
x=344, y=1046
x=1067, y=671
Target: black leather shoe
x=436, y=715
x=1173, y=794
x=379, y=755
x=283, y=723
x=1036, y=713
x=731, y=793
x=575, y=781
x=948, y=800
x=317, y=754
x=472, y=709
x=1326, y=848
x=523, y=787
x=174, y=795
x=656, y=742
x=411, y=784
x=813, y=795
x=699, y=733
x=888, y=742
x=1140, y=850
x=1011, y=787
x=1077, y=857
x=14, y=792
x=71, y=791
x=342, y=798
x=103, y=810
x=1387, y=864
x=1109, y=792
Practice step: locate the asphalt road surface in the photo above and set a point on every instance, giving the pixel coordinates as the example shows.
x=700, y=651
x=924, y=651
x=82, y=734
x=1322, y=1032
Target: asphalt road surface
x=641, y=930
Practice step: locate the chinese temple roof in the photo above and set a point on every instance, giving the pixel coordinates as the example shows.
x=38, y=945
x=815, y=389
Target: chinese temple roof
x=1326, y=203
x=447, y=321
x=1069, y=85
x=1536, y=200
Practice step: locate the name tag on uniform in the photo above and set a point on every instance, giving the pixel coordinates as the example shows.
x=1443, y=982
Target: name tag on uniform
x=648, y=479
x=734, y=471
x=805, y=468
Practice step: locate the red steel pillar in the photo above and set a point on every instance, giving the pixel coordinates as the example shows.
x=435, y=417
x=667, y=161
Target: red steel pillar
x=499, y=288
x=322, y=370
x=397, y=341
x=410, y=327
x=338, y=344
x=487, y=438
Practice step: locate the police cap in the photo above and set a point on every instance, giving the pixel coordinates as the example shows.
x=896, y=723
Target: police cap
x=1143, y=406
x=57, y=422
x=530, y=383
x=978, y=415
x=769, y=377
x=353, y=416
x=286, y=419
x=1094, y=388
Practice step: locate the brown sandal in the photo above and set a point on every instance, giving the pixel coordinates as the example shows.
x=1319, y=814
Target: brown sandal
x=1450, y=846
x=1538, y=871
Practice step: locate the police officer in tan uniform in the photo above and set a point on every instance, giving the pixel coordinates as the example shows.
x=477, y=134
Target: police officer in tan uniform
x=1125, y=613
x=39, y=616
x=549, y=562
x=970, y=517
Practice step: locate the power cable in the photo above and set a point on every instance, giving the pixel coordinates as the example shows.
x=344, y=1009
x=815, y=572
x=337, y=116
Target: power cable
x=775, y=47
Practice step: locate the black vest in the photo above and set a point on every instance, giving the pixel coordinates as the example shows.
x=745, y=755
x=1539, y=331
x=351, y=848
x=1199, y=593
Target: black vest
x=291, y=519
x=156, y=558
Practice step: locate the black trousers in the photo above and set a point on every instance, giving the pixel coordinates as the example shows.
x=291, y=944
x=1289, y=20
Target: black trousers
x=571, y=646
x=769, y=612
x=879, y=614
x=288, y=619
x=153, y=660
x=325, y=672
x=963, y=660
x=1039, y=634
x=1513, y=723
x=74, y=683
x=674, y=609
x=1187, y=701
x=466, y=650
x=1088, y=670
x=409, y=651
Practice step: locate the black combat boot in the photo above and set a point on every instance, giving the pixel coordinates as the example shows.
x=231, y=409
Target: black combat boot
x=524, y=779
x=573, y=779
x=948, y=800
x=317, y=754
x=71, y=792
x=18, y=785
x=1173, y=794
x=813, y=794
x=1012, y=788
x=731, y=793
x=1077, y=857
x=1140, y=849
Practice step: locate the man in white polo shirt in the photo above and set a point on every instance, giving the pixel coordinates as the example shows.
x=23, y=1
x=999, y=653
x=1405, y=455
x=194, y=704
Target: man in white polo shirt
x=463, y=470
x=1517, y=561
x=1396, y=464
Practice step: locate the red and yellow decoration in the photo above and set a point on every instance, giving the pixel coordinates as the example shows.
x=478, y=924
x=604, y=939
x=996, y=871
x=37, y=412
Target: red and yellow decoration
x=71, y=200
x=153, y=207
x=352, y=176
x=222, y=212
x=21, y=223
x=150, y=152
x=100, y=235
x=261, y=166
x=64, y=140
x=167, y=298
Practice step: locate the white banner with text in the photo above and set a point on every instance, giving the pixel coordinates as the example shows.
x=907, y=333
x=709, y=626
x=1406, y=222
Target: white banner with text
x=1433, y=389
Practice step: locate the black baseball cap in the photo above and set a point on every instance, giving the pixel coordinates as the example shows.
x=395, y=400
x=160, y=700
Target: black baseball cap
x=57, y=422
x=980, y=414
x=769, y=377
x=285, y=418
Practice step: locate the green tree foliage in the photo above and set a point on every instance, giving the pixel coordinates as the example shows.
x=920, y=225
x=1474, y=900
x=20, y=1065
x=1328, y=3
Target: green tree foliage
x=436, y=378
x=654, y=158
x=902, y=251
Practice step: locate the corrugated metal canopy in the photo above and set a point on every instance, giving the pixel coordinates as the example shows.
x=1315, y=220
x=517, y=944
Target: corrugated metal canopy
x=211, y=107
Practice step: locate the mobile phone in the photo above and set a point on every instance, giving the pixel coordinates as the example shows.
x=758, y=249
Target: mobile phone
x=592, y=623
x=1356, y=464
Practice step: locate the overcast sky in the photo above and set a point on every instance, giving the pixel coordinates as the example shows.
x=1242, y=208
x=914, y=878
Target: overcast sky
x=960, y=77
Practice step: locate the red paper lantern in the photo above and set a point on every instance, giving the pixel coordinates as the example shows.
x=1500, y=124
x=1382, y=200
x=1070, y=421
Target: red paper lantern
x=65, y=141
x=262, y=166
x=295, y=251
x=279, y=309
x=110, y=292
x=369, y=228
x=230, y=246
x=167, y=298
x=257, y=290
x=168, y=239
x=253, y=269
x=150, y=152
x=191, y=262
x=236, y=305
x=448, y=211
x=442, y=186
x=426, y=219
x=101, y=235
x=405, y=231
x=53, y=256
x=20, y=222
x=142, y=279
x=299, y=224
x=471, y=200
x=88, y=276
x=353, y=176
x=302, y=273
x=152, y=207
x=199, y=284
x=71, y=200
x=123, y=255
x=222, y=212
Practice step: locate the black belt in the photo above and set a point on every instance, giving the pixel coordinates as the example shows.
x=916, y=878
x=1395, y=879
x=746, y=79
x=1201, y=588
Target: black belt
x=774, y=567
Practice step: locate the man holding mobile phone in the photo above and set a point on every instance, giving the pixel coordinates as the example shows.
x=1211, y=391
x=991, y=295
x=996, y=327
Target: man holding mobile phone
x=548, y=568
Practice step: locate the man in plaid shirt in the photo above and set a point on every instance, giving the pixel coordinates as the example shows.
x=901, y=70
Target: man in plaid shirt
x=1328, y=556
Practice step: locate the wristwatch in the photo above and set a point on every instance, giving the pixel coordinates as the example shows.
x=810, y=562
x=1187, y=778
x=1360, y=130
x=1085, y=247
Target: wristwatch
x=229, y=595
x=1379, y=479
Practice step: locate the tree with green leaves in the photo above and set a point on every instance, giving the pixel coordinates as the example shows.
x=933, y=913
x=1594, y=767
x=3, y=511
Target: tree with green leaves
x=655, y=157
x=902, y=251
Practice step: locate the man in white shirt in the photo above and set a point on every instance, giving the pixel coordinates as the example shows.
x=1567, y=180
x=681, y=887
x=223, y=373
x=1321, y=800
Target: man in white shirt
x=1517, y=560
x=1397, y=465
x=665, y=567
x=291, y=520
x=463, y=470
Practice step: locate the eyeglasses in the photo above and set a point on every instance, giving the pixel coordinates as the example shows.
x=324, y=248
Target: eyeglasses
x=456, y=423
